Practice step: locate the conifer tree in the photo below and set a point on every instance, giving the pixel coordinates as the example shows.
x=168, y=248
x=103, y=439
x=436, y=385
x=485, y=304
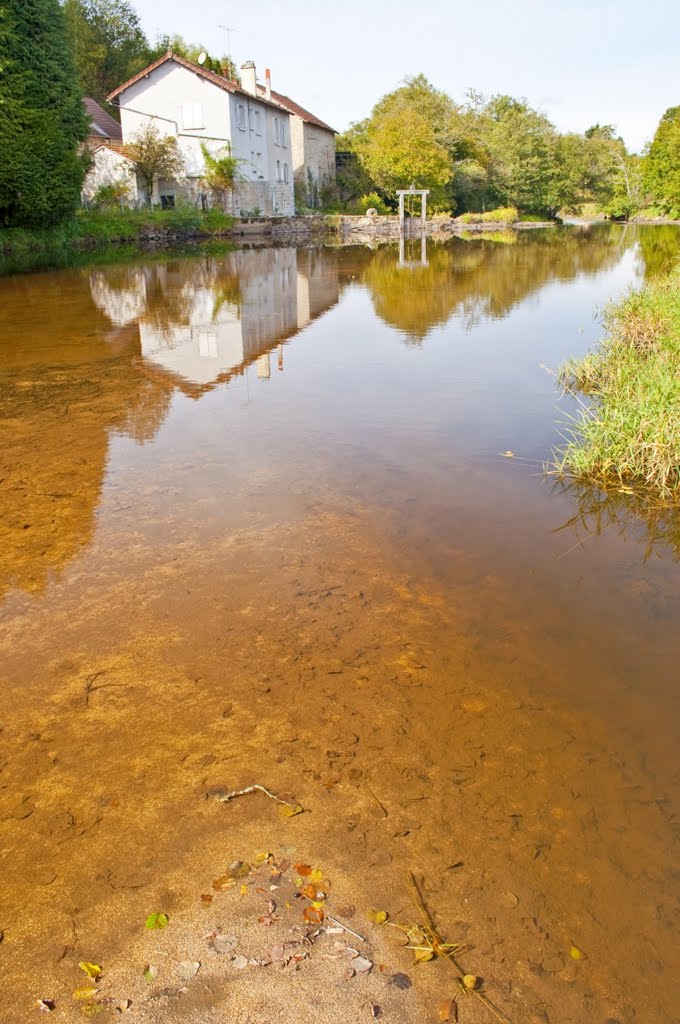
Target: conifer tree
x=42, y=118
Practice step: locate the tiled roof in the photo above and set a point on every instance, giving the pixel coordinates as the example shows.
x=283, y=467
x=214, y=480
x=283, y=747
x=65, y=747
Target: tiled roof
x=102, y=123
x=211, y=76
x=294, y=108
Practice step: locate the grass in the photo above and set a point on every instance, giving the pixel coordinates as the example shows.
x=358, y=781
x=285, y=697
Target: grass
x=23, y=249
x=626, y=433
x=503, y=215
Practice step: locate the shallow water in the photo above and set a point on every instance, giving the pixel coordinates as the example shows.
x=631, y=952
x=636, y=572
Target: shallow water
x=256, y=526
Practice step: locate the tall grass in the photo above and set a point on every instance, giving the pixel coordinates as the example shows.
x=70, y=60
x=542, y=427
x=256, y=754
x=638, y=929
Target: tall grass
x=95, y=229
x=502, y=215
x=627, y=430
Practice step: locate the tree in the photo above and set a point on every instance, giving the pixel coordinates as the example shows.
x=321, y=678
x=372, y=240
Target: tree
x=108, y=42
x=221, y=171
x=662, y=165
x=42, y=119
x=156, y=156
x=225, y=65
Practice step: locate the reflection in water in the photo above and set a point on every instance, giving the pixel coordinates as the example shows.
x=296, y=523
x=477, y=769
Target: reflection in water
x=338, y=589
x=201, y=322
x=481, y=276
x=74, y=376
x=624, y=513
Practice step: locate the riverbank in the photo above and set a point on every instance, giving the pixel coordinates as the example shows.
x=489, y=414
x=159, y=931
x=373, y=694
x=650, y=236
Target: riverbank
x=628, y=435
x=95, y=230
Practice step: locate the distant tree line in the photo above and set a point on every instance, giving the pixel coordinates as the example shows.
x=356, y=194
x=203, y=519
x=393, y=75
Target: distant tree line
x=499, y=151
x=478, y=155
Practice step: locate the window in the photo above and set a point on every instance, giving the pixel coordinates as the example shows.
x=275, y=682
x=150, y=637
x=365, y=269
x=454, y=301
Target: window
x=285, y=173
x=241, y=116
x=278, y=171
x=192, y=116
x=258, y=123
x=283, y=132
x=167, y=202
x=277, y=132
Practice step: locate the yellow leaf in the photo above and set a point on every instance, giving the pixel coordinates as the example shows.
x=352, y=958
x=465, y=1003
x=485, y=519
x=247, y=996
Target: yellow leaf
x=262, y=857
x=378, y=916
x=315, y=876
x=470, y=981
x=289, y=811
x=86, y=992
x=423, y=955
x=318, y=904
x=577, y=954
x=243, y=890
x=91, y=970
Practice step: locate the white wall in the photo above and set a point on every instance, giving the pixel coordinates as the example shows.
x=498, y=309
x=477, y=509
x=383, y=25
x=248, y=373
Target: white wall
x=168, y=93
x=164, y=97
x=109, y=168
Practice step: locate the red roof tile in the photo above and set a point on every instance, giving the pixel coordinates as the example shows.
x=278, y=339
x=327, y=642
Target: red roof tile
x=294, y=108
x=210, y=76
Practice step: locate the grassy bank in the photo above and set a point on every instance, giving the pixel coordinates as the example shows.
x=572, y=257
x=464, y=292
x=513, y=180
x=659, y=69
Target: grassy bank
x=91, y=230
x=627, y=431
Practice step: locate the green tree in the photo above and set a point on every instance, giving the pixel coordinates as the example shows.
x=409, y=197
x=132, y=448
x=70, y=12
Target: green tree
x=662, y=165
x=225, y=65
x=42, y=119
x=108, y=42
x=156, y=156
x=221, y=171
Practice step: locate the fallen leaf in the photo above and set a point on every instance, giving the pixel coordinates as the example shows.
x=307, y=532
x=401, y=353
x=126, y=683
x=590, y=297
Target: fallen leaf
x=91, y=1009
x=239, y=961
x=289, y=811
x=348, y=973
x=444, y=1010
x=158, y=920
x=304, y=870
x=470, y=981
x=309, y=891
x=316, y=876
x=261, y=858
x=46, y=1004
x=207, y=897
x=423, y=955
x=92, y=970
x=224, y=882
x=278, y=953
x=123, y=1005
x=224, y=943
x=313, y=915
x=188, y=969
x=401, y=980
x=86, y=992
x=149, y=973
x=375, y=1011
x=361, y=964
x=243, y=891
x=378, y=916
x=577, y=954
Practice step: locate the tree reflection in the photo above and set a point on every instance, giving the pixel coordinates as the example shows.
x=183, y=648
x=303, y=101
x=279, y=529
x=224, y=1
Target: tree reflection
x=597, y=511
x=479, y=276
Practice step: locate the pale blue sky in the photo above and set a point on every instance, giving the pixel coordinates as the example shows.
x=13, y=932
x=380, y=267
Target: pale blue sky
x=612, y=61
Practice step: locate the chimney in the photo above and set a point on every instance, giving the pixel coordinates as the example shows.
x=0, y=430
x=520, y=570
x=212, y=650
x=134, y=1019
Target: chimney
x=268, y=84
x=249, y=78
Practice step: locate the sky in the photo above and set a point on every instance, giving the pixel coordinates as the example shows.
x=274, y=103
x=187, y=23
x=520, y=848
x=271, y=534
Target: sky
x=580, y=62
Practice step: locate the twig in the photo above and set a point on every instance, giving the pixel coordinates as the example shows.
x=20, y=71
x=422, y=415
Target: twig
x=345, y=928
x=251, y=789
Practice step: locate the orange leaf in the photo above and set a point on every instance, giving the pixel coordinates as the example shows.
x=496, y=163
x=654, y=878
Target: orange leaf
x=303, y=869
x=313, y=915
x=309, y=891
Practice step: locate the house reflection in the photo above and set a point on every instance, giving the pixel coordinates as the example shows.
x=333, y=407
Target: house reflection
x=201, y=322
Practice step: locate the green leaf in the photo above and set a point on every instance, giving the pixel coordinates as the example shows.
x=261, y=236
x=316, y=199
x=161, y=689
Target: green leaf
x=159, y=920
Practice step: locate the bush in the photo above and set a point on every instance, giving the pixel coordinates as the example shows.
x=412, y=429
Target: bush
x=503, y=215
x=113, y=194
x=370, y=201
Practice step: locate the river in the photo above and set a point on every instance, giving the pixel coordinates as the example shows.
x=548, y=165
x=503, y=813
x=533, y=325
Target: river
x=280, y=516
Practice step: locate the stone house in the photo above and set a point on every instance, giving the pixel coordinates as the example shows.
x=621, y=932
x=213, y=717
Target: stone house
x=201, y=108
x=312, y=145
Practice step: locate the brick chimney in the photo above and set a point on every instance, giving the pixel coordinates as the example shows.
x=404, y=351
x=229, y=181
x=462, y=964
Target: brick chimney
x=249, y=78
x=268, y=84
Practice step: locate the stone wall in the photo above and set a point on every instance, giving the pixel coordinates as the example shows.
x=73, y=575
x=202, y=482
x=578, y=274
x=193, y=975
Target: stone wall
x=271, y=199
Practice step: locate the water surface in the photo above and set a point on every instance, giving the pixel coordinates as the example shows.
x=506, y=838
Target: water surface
x=257, y=525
